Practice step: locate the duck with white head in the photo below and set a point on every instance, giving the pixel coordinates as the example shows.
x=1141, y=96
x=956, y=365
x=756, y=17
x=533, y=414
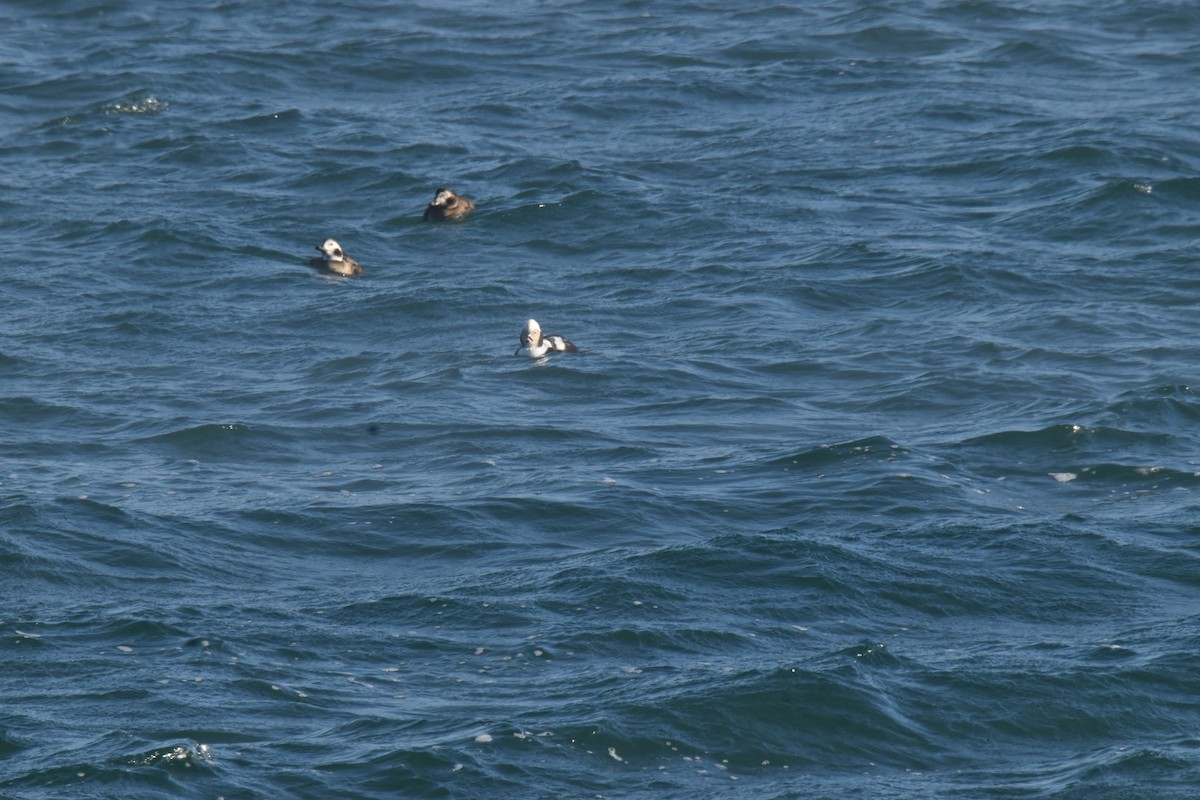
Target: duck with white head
x=334, y=260
x=536, y=344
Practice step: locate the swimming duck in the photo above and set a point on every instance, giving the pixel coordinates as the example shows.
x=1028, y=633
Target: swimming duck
x=536, y=345
x=447, y=205
x=334, y=260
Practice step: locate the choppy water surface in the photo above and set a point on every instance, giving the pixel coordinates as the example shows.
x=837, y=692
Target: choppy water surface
x=878, y=476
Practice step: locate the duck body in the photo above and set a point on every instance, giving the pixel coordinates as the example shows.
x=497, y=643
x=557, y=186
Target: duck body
x=535, y=344
x=334, y=260
x=446, y=204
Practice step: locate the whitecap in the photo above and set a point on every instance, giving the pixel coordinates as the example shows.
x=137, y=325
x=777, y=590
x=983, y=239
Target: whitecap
x=146, y=105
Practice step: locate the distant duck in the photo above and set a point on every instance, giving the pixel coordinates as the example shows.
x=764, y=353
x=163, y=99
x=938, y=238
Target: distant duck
x=535, y=345
x=447, y=205
x=334, y=260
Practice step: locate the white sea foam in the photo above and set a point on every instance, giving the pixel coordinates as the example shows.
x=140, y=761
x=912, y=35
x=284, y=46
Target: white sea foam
x=146, y=105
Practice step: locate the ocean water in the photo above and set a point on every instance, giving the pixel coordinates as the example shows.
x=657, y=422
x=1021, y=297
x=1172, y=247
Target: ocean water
x=877, y=478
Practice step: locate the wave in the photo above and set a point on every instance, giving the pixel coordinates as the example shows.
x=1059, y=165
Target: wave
x=1081, y=451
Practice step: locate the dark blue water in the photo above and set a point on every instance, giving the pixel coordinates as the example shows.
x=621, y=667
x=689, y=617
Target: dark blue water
x=878, y=477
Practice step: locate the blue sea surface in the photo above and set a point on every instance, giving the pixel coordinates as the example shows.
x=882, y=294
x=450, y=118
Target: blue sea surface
x=877, y=477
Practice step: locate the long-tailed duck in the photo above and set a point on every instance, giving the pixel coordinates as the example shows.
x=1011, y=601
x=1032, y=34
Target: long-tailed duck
x=447, y=205
x=535, y=345
x=334, y=260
